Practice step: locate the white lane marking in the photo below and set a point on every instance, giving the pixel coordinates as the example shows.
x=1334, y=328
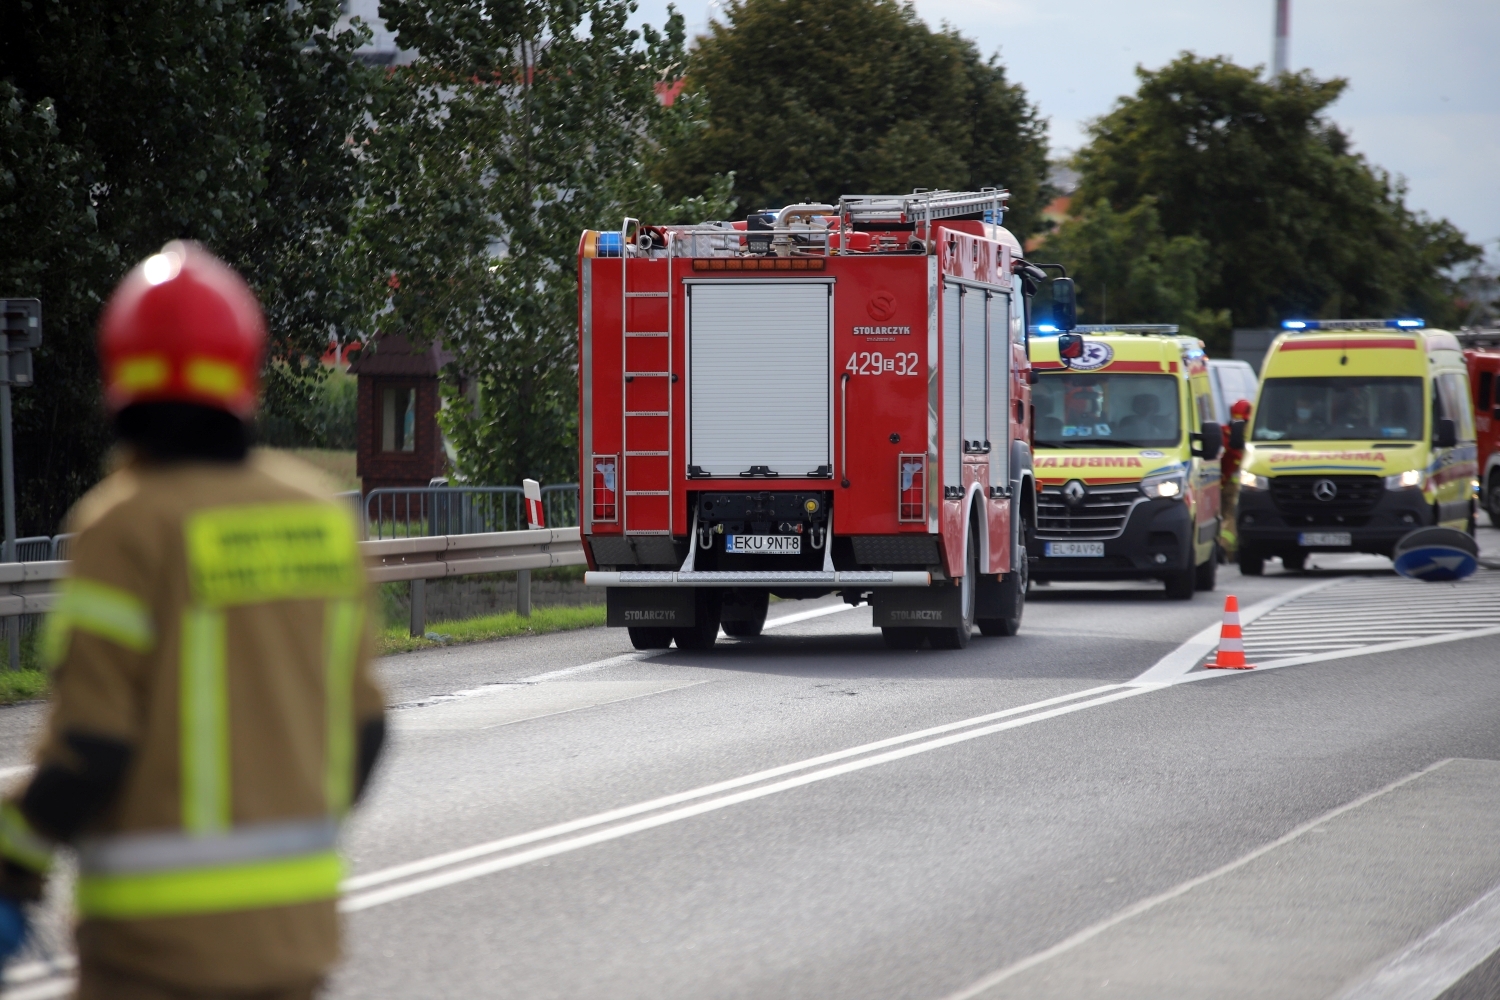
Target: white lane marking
x=1186, y=656
x=1089, y=933
x=403, y=890
x=582, y=668
x=524, y=702
x=802, y=616
x=572, y=826
x=27, y=971
x=1385, y=647
x=1443, y=957
x=11, y=772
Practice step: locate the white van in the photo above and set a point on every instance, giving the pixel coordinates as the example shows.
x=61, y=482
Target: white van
x=1232, y=381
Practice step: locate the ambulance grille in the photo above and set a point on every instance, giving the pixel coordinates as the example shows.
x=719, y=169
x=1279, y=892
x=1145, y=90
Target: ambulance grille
x=1299, y=497
x=1102, y=513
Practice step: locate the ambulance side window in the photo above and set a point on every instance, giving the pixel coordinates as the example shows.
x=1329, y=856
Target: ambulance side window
x=1449, y=388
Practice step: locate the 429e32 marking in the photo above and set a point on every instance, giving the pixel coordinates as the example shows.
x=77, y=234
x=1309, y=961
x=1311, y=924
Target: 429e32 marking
x=874, y=362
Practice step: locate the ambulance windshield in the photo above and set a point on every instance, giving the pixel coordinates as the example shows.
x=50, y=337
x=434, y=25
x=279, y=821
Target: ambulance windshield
x=1089, y=410
x=1339, y=408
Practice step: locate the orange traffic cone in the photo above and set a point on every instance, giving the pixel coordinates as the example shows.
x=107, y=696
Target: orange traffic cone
x=1231, y=655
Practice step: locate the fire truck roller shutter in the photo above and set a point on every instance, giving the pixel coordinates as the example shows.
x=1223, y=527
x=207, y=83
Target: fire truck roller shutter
x=952, y=447
x=999, y=341
x=759, y=376
x=975, y=394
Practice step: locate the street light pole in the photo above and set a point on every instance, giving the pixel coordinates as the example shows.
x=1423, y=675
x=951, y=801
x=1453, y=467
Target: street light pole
x=1283, y=30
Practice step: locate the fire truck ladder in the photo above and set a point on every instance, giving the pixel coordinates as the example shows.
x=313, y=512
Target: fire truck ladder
x=920, y=209
x=647, y=350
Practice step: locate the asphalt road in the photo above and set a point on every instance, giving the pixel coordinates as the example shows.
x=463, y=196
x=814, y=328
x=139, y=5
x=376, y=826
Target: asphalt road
x=810, y=815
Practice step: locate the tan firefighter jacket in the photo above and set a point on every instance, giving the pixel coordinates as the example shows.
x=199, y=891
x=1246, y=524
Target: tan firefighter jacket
x=215, y=622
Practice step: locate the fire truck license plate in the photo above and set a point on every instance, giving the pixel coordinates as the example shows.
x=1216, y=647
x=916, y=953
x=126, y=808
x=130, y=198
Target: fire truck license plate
x=1055, y=549
x=1325, y=538
x=765, y=545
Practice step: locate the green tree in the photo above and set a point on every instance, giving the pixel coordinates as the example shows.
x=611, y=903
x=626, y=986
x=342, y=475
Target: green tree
x=1294, y=222
x=1158, y=280
x=806, y=100
x=521, y=124
x=127, y=123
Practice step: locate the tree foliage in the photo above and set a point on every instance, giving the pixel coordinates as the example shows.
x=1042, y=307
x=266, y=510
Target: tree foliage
x=1292, y=220
x=806, y=100
x=522, y=123
x=127, y=123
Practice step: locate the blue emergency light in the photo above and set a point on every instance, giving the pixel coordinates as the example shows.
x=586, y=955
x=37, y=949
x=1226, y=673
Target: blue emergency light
x=1353, y=324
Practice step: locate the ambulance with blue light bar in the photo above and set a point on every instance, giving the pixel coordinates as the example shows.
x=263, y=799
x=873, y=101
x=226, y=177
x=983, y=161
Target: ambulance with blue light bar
x=812, y=400
x=1126, y=458
x=1363, y=432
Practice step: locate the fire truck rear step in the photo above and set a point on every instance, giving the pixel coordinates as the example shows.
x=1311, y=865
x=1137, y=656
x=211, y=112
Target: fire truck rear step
x=723, y=578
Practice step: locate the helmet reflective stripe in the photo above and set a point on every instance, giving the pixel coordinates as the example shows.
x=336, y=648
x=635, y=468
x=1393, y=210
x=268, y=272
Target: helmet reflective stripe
x=142, y=373
x=99, y=609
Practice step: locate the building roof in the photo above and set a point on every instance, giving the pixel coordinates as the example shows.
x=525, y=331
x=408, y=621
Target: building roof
x=393, y=354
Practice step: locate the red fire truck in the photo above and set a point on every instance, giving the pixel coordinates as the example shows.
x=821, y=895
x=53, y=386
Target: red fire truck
x=1482, y=354
x=817, y=399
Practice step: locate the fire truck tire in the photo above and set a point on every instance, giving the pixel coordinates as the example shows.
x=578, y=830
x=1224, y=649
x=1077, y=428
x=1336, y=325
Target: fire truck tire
x=1012, y=595
x=903, y=638
x=744, y=613
x=957, y=636
x=650, y=638
x=1207, y=575
x=704, y=631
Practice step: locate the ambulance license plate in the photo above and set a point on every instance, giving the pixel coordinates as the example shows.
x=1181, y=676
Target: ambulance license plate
x=1061, y=549
x=1325, y=538
x=764, y=545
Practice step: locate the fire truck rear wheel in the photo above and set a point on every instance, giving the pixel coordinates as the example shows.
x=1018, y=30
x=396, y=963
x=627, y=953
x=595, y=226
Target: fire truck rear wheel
x=957, y=636
x=650, y=638
x=1013, y=590
x=744, y=613
x=704, y=631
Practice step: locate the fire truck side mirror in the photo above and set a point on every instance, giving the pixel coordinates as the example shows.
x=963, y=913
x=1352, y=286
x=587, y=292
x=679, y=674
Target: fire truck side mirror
x=1069, y=345
x=1064, y=306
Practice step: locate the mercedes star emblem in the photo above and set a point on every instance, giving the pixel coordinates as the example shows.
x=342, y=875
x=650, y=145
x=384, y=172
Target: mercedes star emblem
x=1325, y=489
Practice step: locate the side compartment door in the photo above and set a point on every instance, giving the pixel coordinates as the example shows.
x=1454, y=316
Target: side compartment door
x=998, y=307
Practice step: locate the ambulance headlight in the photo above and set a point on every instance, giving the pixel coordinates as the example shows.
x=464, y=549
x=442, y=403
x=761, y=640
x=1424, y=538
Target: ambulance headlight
x=1250, y=481
x=1405, y=480
x=1167, y=487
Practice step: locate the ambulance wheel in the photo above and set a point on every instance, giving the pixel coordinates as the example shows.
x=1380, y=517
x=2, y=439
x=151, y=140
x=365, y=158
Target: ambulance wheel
x=903, y=638
x=1180, y=584
x=1252, y=563
x=1492, y=499
x=1294, y=563
x=1207, y=574
x=957, y=636
x=650, y=638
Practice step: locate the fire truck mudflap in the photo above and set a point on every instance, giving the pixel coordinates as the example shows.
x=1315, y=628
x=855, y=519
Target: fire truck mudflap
x=815, y=400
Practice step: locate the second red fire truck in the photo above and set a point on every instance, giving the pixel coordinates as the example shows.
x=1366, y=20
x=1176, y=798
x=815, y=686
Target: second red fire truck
x=821, y=399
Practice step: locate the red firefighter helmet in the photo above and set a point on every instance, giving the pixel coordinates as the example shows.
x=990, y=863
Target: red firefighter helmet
x=182, y=327
x=1240, y=410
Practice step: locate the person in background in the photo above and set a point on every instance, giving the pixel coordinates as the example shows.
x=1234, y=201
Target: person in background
x=213, y=715
x=1229, y=478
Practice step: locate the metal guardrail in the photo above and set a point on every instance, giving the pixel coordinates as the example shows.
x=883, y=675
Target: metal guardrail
x=30, y=588
x=462, y=510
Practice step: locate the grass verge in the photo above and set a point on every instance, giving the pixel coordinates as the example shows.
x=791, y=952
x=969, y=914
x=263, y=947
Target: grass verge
x=22, y=685
x=394, y=638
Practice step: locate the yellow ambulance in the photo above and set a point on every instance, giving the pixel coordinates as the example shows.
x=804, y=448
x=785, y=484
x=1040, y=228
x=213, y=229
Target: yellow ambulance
x=1362, y=432
x=1125, y=452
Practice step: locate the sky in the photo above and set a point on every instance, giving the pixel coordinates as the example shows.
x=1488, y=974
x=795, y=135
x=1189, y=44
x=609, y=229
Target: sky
x=1424, y=78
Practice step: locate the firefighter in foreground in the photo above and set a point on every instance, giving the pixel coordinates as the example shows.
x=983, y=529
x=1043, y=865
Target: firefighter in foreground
x=1229, y=479
x=213, y=715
